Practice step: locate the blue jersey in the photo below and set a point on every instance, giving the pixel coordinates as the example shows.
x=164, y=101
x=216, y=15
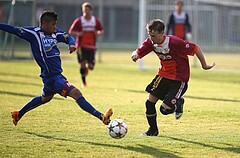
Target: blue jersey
x=43, y=45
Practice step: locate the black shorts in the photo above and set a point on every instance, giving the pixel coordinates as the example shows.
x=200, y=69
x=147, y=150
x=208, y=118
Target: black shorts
x=86, y=55
x=167, y=90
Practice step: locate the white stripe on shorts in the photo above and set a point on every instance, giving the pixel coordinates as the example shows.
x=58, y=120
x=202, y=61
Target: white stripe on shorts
x=178, y=95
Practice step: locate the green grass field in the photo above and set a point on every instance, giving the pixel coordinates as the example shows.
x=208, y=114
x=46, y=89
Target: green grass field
x=209, y=127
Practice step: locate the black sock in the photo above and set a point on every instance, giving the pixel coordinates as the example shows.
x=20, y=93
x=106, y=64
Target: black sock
x=151, y=115
x=83, y=74
x=83, y=79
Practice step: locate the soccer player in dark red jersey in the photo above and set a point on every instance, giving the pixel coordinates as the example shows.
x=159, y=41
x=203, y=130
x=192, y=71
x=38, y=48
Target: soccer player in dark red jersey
x=178, y=23
x=86, y=29
x=171, y=82
x=43, y=41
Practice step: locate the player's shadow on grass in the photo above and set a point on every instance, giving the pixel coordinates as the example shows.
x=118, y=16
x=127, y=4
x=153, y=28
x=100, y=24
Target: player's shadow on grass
x=21, y=83
x=192, y=97
x=24, y=95
x=231, y=148
x=144, y=149
x=213, y=99
x=16, y=94
x=18, y=75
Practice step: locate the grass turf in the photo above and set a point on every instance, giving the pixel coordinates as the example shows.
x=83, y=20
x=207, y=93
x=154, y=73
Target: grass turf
x=209, y=127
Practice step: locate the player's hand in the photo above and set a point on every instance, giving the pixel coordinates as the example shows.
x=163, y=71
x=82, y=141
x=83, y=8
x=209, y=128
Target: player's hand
x=135, y=56
x=207, y=66
x=71, y=48
x=98, y=33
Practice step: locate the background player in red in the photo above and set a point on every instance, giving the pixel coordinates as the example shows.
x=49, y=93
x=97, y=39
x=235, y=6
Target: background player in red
x=178, y=23
x=171, y=82
x=86, y=29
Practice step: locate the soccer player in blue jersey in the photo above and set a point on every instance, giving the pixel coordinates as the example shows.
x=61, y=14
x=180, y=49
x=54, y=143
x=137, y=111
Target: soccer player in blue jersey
x=43, y=41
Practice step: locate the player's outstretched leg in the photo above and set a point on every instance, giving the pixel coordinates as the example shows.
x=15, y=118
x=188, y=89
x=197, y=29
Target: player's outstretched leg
x=106, y=116
x=17, y=115
x=86, y=106
x=179, y=110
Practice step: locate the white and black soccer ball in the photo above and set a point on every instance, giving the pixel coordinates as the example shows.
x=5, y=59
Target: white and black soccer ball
x=117, y=128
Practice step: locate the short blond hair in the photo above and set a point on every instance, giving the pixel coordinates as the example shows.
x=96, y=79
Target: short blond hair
x=87, y=4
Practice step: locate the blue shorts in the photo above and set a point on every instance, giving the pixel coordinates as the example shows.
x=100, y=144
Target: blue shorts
x=56, y=84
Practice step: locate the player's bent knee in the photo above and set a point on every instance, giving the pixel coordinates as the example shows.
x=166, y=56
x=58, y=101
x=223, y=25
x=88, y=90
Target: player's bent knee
x=75, y=93
x=91, y=66
x=46, y=99
x=165, y=111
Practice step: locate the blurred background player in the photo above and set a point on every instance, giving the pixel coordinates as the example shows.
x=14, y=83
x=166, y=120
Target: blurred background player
x=171, y=82
x=43, y=41
x=86, y=29
x=178, y=23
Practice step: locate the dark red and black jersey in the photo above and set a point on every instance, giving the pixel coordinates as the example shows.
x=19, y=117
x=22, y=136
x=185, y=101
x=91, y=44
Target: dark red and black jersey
x=179, y=25
x=88, y=28
x=173, y=54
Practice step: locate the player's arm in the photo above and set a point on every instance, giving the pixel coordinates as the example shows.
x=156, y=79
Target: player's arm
x=202, y=60
x=66, y=38
x=170, y=24
x=71, y=48
x=71, y=43
x=143, y=50
x=188, y=28
x=140, y=53
x=99, y=28
x=11, y=29
x=76, y=33
x=18, y=31
x=135, y=56
x=99, y=32
x=187, y=23
x=75, y=28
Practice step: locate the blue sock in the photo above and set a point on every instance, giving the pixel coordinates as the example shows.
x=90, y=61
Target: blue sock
x=35, y=102
x=86, y=106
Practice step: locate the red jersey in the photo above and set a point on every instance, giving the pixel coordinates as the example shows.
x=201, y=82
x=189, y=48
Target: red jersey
x=179, y=27
x=88, y=29
x=173, y=54
x=179, y=24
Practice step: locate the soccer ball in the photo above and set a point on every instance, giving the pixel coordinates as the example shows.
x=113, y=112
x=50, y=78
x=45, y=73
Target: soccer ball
x=117, y=128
